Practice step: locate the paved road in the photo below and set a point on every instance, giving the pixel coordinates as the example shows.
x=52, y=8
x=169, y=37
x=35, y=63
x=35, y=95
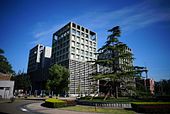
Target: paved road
x=36, y=107
x=17, y=107
x=31, y=107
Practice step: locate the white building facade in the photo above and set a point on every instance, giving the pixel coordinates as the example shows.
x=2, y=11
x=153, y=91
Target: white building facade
x=6, y=89
x=73, y=46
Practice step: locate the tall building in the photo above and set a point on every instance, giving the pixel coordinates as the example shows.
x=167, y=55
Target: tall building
x=72, y=46
x=38, y=64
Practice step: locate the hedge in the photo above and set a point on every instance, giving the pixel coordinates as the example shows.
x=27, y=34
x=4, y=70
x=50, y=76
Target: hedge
x=151, y=107
x=54, y=103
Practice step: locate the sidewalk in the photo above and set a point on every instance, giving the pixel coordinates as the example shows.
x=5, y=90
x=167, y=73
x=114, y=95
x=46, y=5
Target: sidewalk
x=36, y=107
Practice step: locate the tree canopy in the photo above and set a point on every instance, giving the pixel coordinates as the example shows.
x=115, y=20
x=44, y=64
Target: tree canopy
x=5, y=66
x=22, y=81
x=113, y=55
x=58, y=80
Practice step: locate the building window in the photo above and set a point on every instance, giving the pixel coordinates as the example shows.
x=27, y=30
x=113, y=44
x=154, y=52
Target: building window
x=82, y=40
x=73, y=43
x=82, y=46
x=73, y=25
x=73, y=37
x=87, y=36
x=78, y=44
x=82, y=34
x=82, y=51
x=73, y=31
x=72, y=55
x=78, y=27
x=94, y=49
x=73, y=49
x=86, y=41
x=77, y=56
x=86, y=58
x=94, y=44
x=87, y=31
x=90, y=53
x=90, y=48
x=78, y=33
x=77, y=51
x=90, y=43
x=78, y=39
x=86, y=47
x=86, y=52
x=82, y=57
x=82, y=28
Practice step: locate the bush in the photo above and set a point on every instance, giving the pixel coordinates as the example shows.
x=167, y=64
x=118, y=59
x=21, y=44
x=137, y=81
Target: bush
x=151, y=107
x=54, y=103
x=70, y=102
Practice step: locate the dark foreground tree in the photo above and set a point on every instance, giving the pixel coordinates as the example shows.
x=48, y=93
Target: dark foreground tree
x=113, y=56
x=22, y=81
x=58, y=80
x=5, y=66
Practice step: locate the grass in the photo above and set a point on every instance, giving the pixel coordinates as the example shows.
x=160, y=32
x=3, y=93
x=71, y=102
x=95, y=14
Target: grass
x=98, y=110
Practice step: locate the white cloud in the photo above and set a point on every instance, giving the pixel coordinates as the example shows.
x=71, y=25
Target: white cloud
x=130, y=18
x=44, y=35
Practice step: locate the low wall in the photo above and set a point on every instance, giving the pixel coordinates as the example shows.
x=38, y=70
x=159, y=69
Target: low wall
x=104, y=104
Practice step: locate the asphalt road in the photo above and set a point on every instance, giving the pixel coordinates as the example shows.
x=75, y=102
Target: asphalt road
x=17, y=107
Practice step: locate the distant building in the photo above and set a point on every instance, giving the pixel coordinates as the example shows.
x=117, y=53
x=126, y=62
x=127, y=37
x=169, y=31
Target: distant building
x=72, y=46
x=145, y=85
x=38, y=64
x=4, y=76
x=6, y=86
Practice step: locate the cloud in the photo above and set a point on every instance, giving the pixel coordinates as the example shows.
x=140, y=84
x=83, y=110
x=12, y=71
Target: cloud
x=130, y=18
x=43, y=36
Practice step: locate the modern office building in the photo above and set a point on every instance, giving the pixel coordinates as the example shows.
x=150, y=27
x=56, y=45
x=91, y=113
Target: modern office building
x=73, y=46
x=38, y=64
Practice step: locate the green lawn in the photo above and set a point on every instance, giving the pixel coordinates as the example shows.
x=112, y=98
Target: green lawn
x=98, y=110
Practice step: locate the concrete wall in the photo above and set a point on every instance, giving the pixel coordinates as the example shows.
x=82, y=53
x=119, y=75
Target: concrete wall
x=6, y=89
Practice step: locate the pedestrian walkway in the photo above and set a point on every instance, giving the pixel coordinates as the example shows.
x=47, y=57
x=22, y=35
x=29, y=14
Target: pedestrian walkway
x=36, y=107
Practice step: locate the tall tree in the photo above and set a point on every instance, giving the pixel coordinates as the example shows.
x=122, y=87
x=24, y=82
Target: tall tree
x=22, y=81
x=5, y=66
x=113, y=55
x=58, y=80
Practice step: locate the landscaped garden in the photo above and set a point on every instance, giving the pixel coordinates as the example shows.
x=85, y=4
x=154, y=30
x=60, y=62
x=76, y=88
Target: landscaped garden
x=111, y=105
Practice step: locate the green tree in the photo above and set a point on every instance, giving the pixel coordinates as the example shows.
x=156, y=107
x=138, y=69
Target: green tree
x=110, y=55
x=22, y=81
x=58, y=80
x=5, y=66
x=162, y=87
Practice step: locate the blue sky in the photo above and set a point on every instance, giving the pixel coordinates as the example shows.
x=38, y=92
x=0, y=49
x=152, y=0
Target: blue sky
x=145, y=26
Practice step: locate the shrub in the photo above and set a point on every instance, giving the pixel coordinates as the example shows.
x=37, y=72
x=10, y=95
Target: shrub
x=54, y=103
x=151, y=107
x=70, y=102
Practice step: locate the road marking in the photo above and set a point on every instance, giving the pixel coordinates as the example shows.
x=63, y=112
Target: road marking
x=24, y=110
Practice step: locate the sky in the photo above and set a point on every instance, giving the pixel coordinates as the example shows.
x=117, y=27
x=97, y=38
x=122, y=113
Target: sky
x=145, y=26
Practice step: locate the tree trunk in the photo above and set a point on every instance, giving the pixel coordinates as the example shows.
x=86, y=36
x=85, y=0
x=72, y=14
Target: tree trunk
x=116, y=92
